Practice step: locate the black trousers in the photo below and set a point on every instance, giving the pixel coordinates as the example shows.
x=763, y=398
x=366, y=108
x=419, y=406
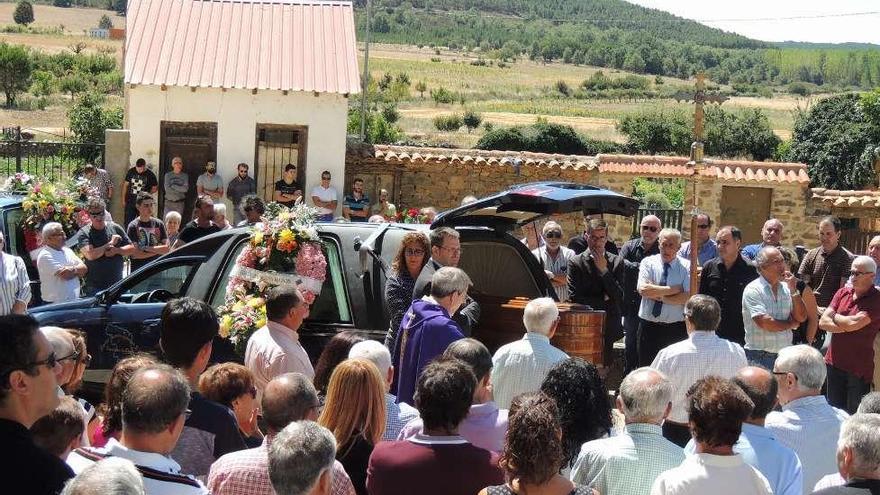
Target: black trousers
x=655, y=336
x=845, y=390
x=678, y=434
x=631, y=342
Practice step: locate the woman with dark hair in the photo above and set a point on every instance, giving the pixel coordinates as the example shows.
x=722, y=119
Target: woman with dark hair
x=335, y=352
x=414, y=252
x=582, y=400
x=232, y=385
x=110, y=411
x=534, y=452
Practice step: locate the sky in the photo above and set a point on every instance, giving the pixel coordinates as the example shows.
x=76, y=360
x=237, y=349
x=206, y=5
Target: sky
x=770, y=20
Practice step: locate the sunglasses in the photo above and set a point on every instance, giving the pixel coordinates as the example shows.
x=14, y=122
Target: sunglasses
x=96, y=214
x=553, y=235
x=649, y=227
x=50, y=362
x=704, y=226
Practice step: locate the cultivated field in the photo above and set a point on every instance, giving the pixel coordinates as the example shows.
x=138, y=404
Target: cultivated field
x=74, y=20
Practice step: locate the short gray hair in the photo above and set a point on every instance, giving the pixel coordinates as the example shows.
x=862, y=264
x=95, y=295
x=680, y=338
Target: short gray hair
x=870, y=403
x=50, y=228
x=865, y=262
x=540, y=314
x=153, y=399
x=645, y=400
x=703, y=311
x=805, y=362
x=861, y=433
x=374, y=352
x=669, y=232
x=173, y=215
x=551, y=225
x=448, y=280
x=61, y=340
x=763, y=255
x=298, y=456
x=220, y=209
x=111, y=476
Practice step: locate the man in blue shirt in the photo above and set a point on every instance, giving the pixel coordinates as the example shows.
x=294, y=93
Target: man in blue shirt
x=705, y=244
x=356, y=206
x=771, y=234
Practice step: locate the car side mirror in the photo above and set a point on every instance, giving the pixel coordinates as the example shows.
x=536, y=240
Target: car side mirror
x=102, y=297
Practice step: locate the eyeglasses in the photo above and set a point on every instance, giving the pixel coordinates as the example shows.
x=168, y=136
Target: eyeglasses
x=72, y=357
x=649, y=227
x=325, y=178
x=553, y=234
x=784, y=373
x=856, y=273
x=50, y=362
x=451, y=250
x=704, y=226
x=96, y=214
x=414, y=252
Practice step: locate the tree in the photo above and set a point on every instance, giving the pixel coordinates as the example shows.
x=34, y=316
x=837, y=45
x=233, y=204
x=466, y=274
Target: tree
x=471, y=120
x=832, y=139
x=24, y=13
x=657, y=132
x=105, y=22
x=15, y=71
x=61, y=3
x=421, y=87
x=120, y=6
x=73, y=83
x=88, y=119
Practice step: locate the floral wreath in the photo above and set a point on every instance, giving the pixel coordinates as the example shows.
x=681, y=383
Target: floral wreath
x=411, y=215
x=284, y=249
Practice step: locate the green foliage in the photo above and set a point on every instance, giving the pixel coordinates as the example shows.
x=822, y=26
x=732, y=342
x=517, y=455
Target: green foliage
x=657, y=132
x=43, y=83
x=15, y=71
x=120, y=6
x=105, y=22
x=544, y=137
x=24, y=13
x=833, y=138
x=449, y=123
x=61, y=3
x=73, y=83
x=659, y=193
x=442, y=95
x=89, y=119
x=471, y=120
x=378, y=129
x=421, y=87
x=390, y=113
x=562, y=87
x=600, y=82
x=801, y=88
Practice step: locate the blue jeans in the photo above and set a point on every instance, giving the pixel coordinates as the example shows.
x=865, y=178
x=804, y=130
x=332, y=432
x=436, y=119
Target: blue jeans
x=761, y=358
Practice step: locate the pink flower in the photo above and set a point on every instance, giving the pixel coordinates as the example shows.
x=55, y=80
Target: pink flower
x=310, y=262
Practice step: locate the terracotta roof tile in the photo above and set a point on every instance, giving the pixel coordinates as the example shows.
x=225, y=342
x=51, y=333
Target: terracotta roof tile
x=295, y=45
x=846, y=199
x=403, y=154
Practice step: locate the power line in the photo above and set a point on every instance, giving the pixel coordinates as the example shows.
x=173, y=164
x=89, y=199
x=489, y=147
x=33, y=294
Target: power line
x=792, y=18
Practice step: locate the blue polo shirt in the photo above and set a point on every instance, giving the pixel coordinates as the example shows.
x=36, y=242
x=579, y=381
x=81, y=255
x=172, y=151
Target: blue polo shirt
x=354, y=204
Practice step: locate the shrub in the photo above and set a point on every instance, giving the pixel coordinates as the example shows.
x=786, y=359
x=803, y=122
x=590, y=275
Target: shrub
x=15, y=71
x=390, y=113
x=89, y=119
x=421, y=87
x=471, y=120
x=442, y=95
x=562, y=87
x=105, y=22
x=800, y=89
x=43, y=83
x=378, y=130
x=24, y=13
x=450, y=123
x=61, y=3
x=657, y=200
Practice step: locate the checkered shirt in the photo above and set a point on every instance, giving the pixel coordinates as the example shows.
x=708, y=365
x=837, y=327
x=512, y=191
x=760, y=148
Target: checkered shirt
x=398, y=415
x=246, y=472
x=758, y=299
x=826, y=272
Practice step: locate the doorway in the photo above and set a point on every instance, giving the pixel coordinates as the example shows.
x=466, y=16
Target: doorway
x=196, y=144
x=747, y=208
x=278, y=145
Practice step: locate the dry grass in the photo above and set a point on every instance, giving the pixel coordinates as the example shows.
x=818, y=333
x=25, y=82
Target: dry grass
x=75, y=20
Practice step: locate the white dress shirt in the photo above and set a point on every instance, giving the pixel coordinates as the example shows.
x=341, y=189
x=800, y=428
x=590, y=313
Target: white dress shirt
x=15, y=284
x=52, y=287
x=325, y=194
x=809, y=426
x=521, y=366
x=651, y=272
x=708, y=474
x=702, y=354
x=274, y=350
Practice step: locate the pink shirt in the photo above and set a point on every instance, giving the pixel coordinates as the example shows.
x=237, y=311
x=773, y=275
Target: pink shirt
x=275, y=350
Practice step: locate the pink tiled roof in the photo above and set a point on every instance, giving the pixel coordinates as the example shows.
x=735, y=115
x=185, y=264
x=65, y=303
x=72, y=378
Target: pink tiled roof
x=846, y=199
x=731, y=170
x=413, y=154
x=289, y=45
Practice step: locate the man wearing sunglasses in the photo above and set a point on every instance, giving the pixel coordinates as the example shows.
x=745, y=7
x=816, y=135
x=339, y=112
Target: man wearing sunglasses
x=103, y=244
x=59, y=268
x=554, y=258
x=28, y=391
x=706, y=247
x=633, y=252
x=853, y=320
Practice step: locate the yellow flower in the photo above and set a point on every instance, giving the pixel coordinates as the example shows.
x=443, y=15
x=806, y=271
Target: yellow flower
x=237, y=306
x=225, y=325
x=286, y=236
x=256, y=302
x=261, y=323
x=43, y=204
x=258, y=239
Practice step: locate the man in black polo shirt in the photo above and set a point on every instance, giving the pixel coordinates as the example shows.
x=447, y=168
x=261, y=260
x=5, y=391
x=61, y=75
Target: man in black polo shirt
x=633, y=252
x=103, y=245
x=580, y=242
x=28, y=391
x=202, y=225
x=724, y=278
x=188, y=330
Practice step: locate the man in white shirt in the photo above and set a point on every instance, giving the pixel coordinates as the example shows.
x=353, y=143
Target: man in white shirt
x=275, y=349
x=629, y=463
x=717, y=409
x=154, y=409
x=325, y=198
x=807, y=424
x=521, y=366
x=702, y=354
x=59, y=268
x=554, y=258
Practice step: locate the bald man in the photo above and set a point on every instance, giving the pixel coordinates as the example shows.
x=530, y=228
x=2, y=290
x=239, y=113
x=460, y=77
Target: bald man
x=771, y=235
x=633, y=252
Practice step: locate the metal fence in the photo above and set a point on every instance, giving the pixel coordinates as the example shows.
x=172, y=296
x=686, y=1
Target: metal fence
x=49, y=159
x=668, y=218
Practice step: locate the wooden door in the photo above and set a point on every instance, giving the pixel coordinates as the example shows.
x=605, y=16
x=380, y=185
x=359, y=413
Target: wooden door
x=196, y=144
x=278, y=145
x=747, y=208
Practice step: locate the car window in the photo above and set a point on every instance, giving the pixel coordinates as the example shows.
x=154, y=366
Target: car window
x=331, y=306
x=15, y=236
x=173, y=277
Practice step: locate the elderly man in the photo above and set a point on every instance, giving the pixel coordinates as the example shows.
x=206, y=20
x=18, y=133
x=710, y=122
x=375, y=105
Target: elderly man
x=807, y=423
x=110, y=476
x=58, y=266
x=633, y=252
x=154, y=408
x=238, y=188
x=521, y=366
x=771, y=235
x=629, y=463
x=757, y=446
x=596, y=278
x=717, y=409
x=65, y=353
x=706, y=247
x=28, y=391
x=202, y=225
x=288, y=398
x=771, y=308
x=826, y=268
x=301, y=459
x=176, y=185
x=186, y=338
x=275, y=349
x=15, y=286
x=397, y=415
x=870, y=405
x=702, y=354
x=858, y=461
x=664, y=283
x=853, y=319
x=427, y=329
x=555, y=259
x=446, y=251
x=725, y=278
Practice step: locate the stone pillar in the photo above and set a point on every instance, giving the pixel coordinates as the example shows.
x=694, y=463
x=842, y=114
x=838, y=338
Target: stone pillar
x=117, y=159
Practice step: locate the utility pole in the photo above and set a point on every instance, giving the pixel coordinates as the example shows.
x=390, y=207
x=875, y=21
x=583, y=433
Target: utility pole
x=365, y=79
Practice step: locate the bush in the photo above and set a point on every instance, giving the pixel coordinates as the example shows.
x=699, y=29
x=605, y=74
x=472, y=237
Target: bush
x=657, y=200
x=543, y=137
x=800, y=89
x=89, y=119
x=390, y=113
x=421, y=87
x=442, y=95
x=43, y=83
x=378, y=130
x=471, y=120
x=449, y=123
x=562, y=87
x=105, y=22
x=24, y=13
x=61, y=3
x=15, y=71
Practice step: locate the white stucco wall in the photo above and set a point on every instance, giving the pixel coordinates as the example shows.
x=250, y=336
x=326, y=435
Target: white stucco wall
x=237, y=112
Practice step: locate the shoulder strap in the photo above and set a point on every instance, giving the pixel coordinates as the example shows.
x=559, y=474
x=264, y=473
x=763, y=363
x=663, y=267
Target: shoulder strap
x=146, y=472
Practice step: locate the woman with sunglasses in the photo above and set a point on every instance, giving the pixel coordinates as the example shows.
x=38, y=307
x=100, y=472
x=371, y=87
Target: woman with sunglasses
x=232, y=385
x=411, y=257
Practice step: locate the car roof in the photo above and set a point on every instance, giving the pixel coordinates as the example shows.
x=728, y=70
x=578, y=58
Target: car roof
x=10, y=199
